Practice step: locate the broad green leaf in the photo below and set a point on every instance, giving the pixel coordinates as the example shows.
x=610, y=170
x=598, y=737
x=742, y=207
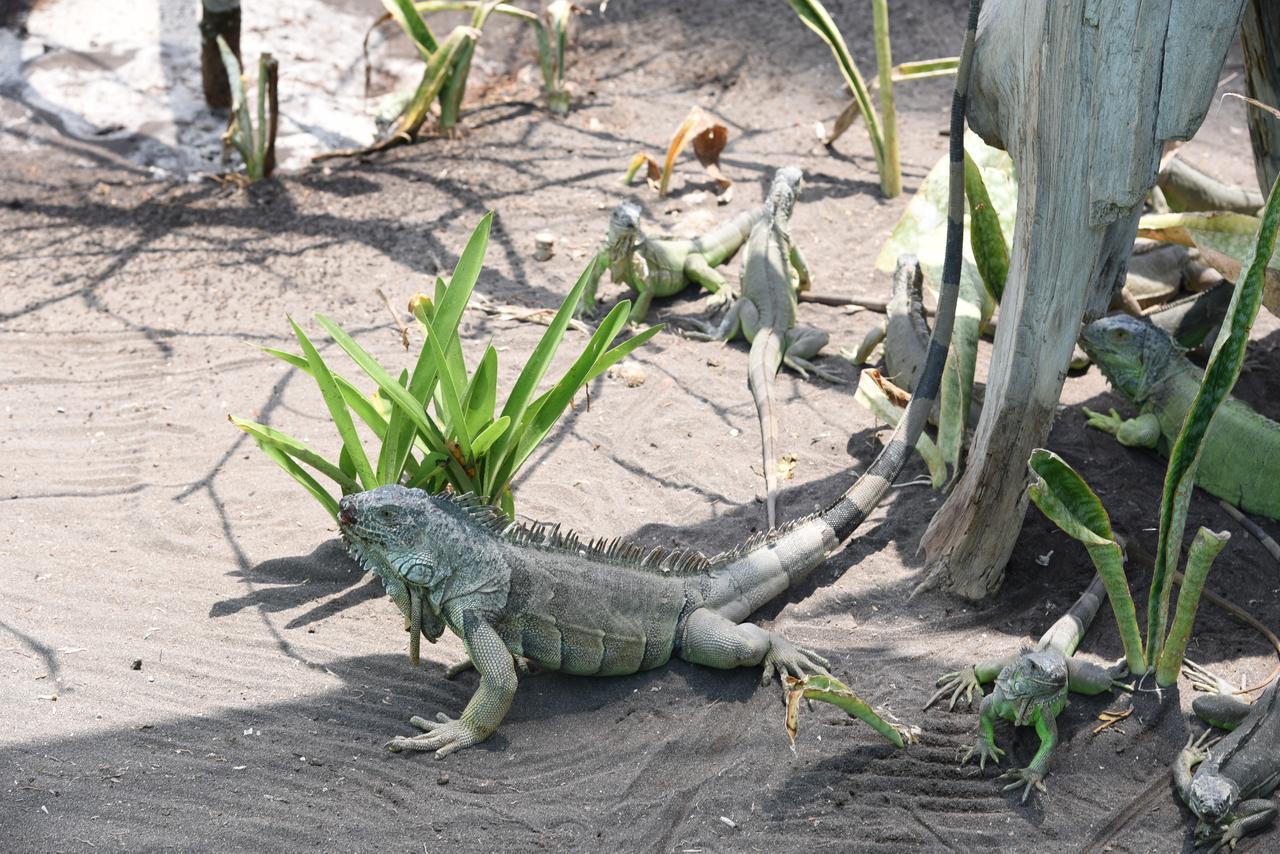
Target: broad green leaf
x=301, y=476
x=481, y=396
x=481, y=444
x=1068, y=502
x=987, y=242
x=261, y=434
x=337, y=408
x=1219, y=377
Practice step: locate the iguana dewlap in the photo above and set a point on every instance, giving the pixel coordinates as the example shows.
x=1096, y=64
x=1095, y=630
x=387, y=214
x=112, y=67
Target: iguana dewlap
x=1240, y=457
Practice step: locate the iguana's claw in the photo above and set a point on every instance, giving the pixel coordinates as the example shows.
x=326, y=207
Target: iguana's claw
x=1025, y=777
x=1198, y=748
x=786, y=659
x=723, y=297
x=1225, y=838
x=984, y=750
x=1203, y=679
x=1106, y=423
x=443, y=737
x=957, y=682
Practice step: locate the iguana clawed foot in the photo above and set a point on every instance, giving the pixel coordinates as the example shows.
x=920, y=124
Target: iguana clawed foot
x=1221, y=839
x=1106, y=423
x=786, y=659
x=984, y=750
x=444, y=736
x=1027, y=777
x=1203, y=679
x=958, y=682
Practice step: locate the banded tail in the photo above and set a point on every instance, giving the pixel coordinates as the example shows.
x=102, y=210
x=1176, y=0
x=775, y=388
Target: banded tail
x=763, y=363
x=851, y=509
x=1065, y=634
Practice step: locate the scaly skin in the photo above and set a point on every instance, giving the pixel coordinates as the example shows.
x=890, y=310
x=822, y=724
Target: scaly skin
x=766, y=316
x=1227, y=783
x=1240, y=457
x=664, y=267
x=1031, y=690
x=533, y=593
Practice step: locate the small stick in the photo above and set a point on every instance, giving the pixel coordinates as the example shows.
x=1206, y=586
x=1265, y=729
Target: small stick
x=395, y=318
x=1253, y=528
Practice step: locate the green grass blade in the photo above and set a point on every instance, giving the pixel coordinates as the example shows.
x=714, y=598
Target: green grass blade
x=620, y=352
x=300, y=474
x=1204, y=548
x=361, y=405
x=481, y=397
x=453, y=403
x=414, y=26
x=1063, y=496
x=295, y=448
x=1219, y=377
x=337, y=408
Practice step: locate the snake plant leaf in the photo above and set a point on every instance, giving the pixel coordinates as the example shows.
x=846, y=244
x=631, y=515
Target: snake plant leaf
x=337, y=408
x=924, y=68
x=1204, y=548
x=1225, y=241
x=828, y=689
x=872, y=394
x=987, y=242
x=1219, y=377
x=1063, y=496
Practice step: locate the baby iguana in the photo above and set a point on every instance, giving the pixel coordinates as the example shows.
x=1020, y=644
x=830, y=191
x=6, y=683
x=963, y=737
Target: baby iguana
x=1227, y=784
x=765, y=315
x=1031, y=689
x=663, y=267
x=612, y=607
x=1240, y=458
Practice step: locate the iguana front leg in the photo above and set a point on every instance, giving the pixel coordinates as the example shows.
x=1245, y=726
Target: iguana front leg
x=1033, y=775
x=700, y=272
x=1250, y=817
x=969, y=681
x=1195, y=752
x=1140, y=432
x=985, y=747
x=1084, y=677
x=488, y=705
x=715, y=641
x=802, y=344
x=804, y=279
x=599, y=264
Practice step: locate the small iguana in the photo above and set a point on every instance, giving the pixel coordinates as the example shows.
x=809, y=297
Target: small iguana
x=765, y=315
x=1240, y=458
x=663, y=267
x=1031, y=689
x=1227, y=784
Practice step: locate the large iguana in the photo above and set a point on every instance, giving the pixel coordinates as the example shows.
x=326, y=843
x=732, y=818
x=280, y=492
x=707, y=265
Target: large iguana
x=612, y=608
x=1227, y=784
x=1240, y=458
x=1031, y=689
x=663, y=267
x=765, y=315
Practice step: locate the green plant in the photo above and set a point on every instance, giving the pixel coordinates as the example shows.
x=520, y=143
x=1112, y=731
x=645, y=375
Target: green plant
x=437, y=426
x=255, y=143
x=1064, y=497
x=882, y=128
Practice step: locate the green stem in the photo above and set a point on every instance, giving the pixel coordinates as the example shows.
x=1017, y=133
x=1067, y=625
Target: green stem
x=1200, y=557
x=891, y=171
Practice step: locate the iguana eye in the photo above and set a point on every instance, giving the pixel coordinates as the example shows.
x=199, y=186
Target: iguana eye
x=386, y=513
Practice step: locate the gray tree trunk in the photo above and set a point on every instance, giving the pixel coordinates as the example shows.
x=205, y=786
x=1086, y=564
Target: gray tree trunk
x=1260, y=42
x=1082, y=94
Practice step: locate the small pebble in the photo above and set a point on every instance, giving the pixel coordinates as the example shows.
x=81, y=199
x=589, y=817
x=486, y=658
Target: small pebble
x=443, y=779
x=544, y=245
x=136, y=665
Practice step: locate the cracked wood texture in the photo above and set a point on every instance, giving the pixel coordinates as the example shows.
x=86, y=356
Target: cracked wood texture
x=1082, y=94
x=1260, y=44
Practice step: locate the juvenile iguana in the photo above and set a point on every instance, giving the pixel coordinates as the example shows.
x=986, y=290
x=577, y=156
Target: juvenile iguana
x=1227, y=784
x=663, y=267
x=1031, y=689
x=1240, y=458
x=765, y=315
x=534, y=592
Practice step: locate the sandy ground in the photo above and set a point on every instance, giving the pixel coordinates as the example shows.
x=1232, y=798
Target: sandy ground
x=137, y=525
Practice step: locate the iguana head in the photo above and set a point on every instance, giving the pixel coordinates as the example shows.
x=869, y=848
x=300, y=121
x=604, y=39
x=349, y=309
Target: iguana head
x=398, y=533
x=624, y=230
x=1132, y=353
x=1212, y=798
x=784, y=191
x=1036, y=679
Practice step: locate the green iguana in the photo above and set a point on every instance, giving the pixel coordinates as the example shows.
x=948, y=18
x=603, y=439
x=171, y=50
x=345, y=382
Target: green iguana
x=1240, y=458
x=1227, y=783
x=765, y=315
x=1031, y=689
x=612, y=607
x=666, y=266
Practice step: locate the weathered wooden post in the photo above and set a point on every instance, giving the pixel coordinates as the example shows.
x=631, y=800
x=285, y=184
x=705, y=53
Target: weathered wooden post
x=1083, y=94
x=1260, y=42
x=217, y=18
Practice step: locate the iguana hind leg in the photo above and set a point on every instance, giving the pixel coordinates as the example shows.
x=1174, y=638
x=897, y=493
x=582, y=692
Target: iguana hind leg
x=802, y=344
x=488, y=705
x=730, y=325
x=714, y=641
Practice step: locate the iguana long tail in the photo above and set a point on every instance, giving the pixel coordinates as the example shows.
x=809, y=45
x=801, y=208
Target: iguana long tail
x=1065, y=635
x=763, y=363
x=849, y=511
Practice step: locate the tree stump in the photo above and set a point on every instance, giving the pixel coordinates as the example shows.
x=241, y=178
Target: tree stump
x=1260, y=43
x=217, y=18
x=1082, y=94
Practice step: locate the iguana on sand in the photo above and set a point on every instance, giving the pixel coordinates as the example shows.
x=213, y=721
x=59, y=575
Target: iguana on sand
x=1240, y=458
x=612, y=608
x=765, y=315
x=663, y=267
x=1227, y=784
x=1031, y=689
